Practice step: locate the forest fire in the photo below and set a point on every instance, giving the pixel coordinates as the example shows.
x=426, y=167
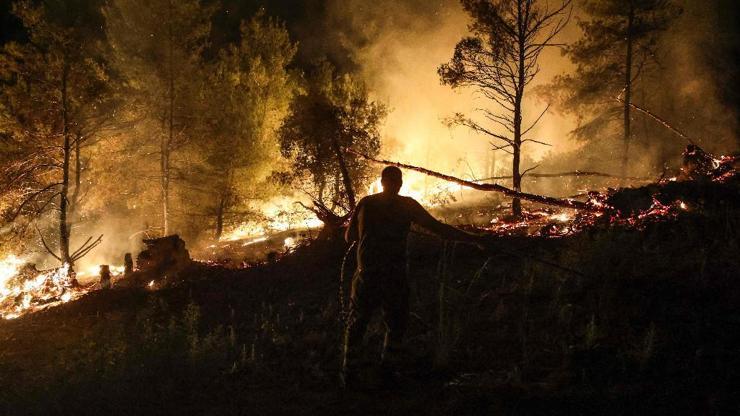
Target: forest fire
x=369, y=207
x=275, y=216
x=94, y=271
x=428, y=194
x=23, y=289
x=615, y=207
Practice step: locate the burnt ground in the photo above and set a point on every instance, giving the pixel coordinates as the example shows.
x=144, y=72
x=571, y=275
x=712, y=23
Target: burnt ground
x=649, y=325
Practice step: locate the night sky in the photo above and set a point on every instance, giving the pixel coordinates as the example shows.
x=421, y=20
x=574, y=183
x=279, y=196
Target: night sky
x=304, y=19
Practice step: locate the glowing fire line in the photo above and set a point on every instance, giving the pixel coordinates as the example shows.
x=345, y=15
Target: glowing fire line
x=24, y=289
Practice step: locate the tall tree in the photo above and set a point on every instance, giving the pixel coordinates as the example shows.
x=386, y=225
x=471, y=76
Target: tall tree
x=617, y=49
x=248, y=92
x=334, y=114
x=53, y=102
x=158, y=47
x=499, y=60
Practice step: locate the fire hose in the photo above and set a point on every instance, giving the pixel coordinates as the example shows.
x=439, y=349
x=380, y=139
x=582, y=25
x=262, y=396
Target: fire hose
x=542, y=261
x=343, y=309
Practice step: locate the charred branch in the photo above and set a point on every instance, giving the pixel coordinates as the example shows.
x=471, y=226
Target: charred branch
x=86, y=247
x=658, y=119
x=46, y=246
x=575, y=173
x=488, y=187
x=31, y=198
x=325, y=214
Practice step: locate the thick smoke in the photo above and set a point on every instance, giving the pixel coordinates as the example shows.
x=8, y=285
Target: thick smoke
x=398, y=45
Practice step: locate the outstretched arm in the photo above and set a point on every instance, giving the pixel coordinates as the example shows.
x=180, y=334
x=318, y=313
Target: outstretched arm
x=447, y=232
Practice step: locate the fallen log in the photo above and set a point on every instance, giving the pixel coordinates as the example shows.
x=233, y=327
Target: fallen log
x=576, y=173
x=489, y=187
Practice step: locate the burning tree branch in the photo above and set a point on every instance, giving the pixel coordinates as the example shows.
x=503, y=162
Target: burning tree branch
x=46, y=246
x=576, y=173
x=658, y=119
x=86, y=247
x=32, y=198
x=488, y=187
x=81, y=252
x=461, y=120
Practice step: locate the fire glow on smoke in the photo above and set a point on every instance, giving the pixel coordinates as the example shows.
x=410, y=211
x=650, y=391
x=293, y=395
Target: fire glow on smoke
x=279, y=215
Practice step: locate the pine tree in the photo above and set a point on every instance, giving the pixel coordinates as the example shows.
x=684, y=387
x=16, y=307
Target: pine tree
x=334, y=114
x=617, y=50
x=248, y=92
x=158, y=47
x=54, y=102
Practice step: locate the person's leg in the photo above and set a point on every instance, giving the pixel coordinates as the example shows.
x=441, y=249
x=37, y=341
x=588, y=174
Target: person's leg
x=363, y=300
x=395, y=316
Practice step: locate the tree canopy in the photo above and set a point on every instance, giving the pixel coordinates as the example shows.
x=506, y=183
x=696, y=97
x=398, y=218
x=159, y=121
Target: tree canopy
x=333, y=114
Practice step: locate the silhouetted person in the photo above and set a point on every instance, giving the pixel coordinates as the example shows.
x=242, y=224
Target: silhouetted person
x=380, y=225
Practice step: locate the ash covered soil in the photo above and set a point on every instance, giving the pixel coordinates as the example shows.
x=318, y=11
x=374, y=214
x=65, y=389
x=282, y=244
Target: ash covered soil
x=649, y=324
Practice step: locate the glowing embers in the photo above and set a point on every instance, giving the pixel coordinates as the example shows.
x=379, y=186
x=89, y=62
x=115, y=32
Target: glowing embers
x=24, y=289
x=561, y=217
x=548, y=223
x=597, y=200
x=508, y=227
x=657, y=212
x=290, y=243
x=698, y=164
x=542, y=223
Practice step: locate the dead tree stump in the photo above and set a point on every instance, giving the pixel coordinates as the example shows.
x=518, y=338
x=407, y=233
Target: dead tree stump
x=105, y=276
x=128, y=264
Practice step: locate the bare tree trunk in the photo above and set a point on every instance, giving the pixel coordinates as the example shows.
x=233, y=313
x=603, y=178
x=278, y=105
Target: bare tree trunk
x=322, y=186
x=220, y=216
x=78, y=174
x=628, y=93
x=337, y=191
x=167, y=140
x=165, y=182
x=516, y=203
x=347, y=180
x=516, y=177
x=490, y=165
x=66, y=149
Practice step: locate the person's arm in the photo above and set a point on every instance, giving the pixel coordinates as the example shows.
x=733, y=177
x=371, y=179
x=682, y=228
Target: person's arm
x=352, y=233
x=423, y=218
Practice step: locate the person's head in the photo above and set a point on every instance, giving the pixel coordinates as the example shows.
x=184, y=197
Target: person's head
x=391, y=179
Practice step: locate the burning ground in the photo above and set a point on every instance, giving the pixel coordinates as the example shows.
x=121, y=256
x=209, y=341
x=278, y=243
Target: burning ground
x=622, y=313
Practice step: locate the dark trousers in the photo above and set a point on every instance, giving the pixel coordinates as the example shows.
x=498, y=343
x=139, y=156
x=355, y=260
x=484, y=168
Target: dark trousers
x=388, y=290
